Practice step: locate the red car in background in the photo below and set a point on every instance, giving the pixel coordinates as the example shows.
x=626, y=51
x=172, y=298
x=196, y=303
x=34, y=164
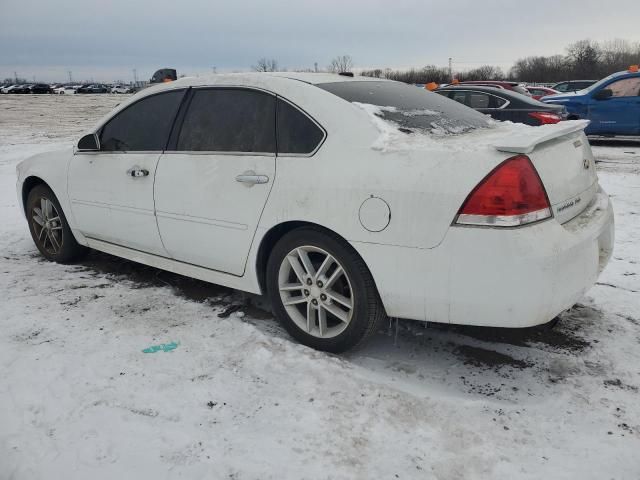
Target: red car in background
x=514, y=86
x=539, y=92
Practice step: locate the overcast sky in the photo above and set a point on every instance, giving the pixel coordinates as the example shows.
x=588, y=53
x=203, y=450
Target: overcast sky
x=105, y=40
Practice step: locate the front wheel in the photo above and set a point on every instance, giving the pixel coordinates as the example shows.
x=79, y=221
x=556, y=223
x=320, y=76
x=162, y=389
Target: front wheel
x=321, y=291
x=49, y=228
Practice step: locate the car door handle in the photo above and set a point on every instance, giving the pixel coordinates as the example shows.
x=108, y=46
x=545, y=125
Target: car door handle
x=252, y=178
x=137, y=172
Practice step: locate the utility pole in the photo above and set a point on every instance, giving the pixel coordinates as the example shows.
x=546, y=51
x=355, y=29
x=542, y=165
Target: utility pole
x=15, y=74
x=450, y=70
x=315, y=67
x=214, y=69
x=70, y=80
x=135, y=77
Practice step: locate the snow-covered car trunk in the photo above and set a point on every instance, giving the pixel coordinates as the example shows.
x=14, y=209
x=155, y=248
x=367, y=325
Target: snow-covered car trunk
x=562, y=156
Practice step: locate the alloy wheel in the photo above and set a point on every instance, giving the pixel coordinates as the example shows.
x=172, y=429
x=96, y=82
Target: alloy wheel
x=47, y=225
x=316, y=291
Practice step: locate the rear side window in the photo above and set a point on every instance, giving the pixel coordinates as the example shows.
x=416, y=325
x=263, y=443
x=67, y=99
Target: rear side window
x=297, y=133
x=479, y=100
x=229, y=120
x=460, y=97
x=409, y=107
x=145, y=125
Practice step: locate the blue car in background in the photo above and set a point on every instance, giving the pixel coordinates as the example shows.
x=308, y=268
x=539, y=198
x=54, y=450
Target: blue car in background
x=612, y=104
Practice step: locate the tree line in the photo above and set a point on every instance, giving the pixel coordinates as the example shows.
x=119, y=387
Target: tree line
x=583, y=60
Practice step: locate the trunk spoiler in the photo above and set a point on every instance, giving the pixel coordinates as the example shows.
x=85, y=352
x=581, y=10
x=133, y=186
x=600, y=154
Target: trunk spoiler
x=527, y=143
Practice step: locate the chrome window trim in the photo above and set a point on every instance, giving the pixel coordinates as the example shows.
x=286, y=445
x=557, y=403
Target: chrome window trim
x=211, y=152
x=118, y=152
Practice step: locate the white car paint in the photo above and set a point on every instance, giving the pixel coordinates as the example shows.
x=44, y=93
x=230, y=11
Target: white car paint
x=65, y=90
x=120, y=89
x=424, y=268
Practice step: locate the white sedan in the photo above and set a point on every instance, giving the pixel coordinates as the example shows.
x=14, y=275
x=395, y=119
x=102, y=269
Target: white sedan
x=65, y=90
x=120, y=89
x=345, y=200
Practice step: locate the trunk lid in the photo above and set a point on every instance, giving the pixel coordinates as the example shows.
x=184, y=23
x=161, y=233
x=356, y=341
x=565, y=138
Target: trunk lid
x=562, y=156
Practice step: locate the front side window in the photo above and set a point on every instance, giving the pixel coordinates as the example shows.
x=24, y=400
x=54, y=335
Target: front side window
x=229, y=120
x=143, y=126
x=297, y=133
x=561, y=87
x=627, y=87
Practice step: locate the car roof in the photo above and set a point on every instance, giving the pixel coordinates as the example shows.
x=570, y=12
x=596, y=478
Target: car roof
x=495, y=82
x=306, y=77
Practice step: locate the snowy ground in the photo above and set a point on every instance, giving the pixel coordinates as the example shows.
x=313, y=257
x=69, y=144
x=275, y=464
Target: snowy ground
x=239, y=399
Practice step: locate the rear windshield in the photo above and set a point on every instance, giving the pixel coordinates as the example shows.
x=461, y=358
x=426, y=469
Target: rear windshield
x=411, y=108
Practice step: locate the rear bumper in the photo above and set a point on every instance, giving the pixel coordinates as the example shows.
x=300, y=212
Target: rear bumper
x=527, y=276
x=516, y=277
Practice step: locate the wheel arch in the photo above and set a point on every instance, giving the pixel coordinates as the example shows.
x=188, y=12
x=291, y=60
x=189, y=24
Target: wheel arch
x=276, y=232
x=29, y=184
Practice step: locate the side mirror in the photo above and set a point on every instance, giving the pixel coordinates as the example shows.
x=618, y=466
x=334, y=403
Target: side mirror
x=603, y=94
x=89, y=143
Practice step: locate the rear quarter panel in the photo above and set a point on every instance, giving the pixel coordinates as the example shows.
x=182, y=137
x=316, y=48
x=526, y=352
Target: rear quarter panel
x=424, y=188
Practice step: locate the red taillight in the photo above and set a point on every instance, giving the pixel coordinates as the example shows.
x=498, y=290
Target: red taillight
x=511, y=195
x=546, y=118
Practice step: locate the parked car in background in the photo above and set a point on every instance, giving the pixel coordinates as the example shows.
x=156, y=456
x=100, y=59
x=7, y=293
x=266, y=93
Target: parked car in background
x=94, y=88
x=21, y=89
x=7, y=88
x=538, y=92
x=164, y=75
x=515, y=86
x=260, y=206
x=612, y=104
x=65, y=90
x=503, y=104
x=573, y=85
x=120, y=89
x=40, y=88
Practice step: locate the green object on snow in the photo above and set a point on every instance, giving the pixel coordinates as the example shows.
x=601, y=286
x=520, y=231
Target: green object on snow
x=165, y=347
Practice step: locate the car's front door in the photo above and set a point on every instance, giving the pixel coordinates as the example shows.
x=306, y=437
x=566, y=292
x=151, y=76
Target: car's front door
x=618, y=114
x=111, y=191
x=211, y=189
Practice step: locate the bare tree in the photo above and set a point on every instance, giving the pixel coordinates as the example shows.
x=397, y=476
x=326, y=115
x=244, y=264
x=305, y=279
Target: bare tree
x=584, y=57
x=485, y=72
x=341, y=63
x=266, y=65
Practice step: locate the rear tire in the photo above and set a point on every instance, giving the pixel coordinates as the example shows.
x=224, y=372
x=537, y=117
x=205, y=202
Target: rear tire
x=49, y=227
x=321, y=291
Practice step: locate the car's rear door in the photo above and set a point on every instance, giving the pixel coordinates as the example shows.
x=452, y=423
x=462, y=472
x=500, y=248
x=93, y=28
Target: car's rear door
x=111, y=191
x=212, y=183
x=620, y=113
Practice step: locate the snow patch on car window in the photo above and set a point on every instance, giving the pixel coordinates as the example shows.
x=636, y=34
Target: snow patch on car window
x=439, y=133
x=418, y=120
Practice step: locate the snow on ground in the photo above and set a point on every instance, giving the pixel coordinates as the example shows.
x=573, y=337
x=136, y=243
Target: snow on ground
x=238, y=399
